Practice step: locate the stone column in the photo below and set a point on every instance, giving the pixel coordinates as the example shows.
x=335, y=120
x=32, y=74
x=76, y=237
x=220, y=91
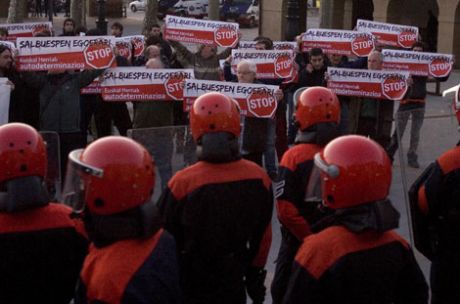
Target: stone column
x=272, y=19
x=381, y=10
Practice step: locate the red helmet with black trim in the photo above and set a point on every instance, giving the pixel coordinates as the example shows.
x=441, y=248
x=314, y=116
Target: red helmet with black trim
x=214, y=112
x=316, y=105
x=22, y=152
x=354, y=170
x=114, y=174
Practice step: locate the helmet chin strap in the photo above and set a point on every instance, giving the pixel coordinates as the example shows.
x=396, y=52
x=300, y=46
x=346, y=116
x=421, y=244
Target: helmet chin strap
x=23, y=193
x=218, y=147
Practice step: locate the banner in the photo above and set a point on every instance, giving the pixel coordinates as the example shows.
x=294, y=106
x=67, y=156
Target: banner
x=418, y=63
x=348, y=43
x=93, y=88
x=29, y=29
x=138, y=43
x=270, y=64
x=224, y=34
x=368, y=83
x=277, y=45
x=124, y=47
x=142, y=84
x=74, y=53
x=255, y=100
x=395, y=35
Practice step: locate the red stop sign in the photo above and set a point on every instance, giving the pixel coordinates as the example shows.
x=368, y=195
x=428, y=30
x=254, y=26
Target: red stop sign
x=138, y=44
x=407, y=38
x=124, y=49
x=283, y=66
x=225, y=36
x=362, y=45
x=175, y=87
x=38, y=29
x=394, y=87
x=262, y=104
x=99, y=55
x=440, y=67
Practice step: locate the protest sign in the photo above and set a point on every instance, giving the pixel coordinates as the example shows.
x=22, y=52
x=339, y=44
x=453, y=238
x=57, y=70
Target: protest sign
x=93, y=88
x=138, y=43
x=254, y=100
x=348, y=43
x=224, y=34
x=277, y=45
x=368, y=83
x=270, y=64
x=395, y=35
x=124, y=47
x=142, y=84
x=28, y=29
x=418, y=63
x=56, y=53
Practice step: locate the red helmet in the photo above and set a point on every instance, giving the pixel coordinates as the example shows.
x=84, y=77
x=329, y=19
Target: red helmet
x=354, y=170
x=315, y=105
x=22, y=152
x=214, y=112
x=117, y=174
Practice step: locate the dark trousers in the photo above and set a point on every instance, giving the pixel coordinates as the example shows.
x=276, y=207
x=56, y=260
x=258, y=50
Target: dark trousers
x=106, y=112
x=288, y=249
x=254, y=157
x=69, y=142
x=378, y=128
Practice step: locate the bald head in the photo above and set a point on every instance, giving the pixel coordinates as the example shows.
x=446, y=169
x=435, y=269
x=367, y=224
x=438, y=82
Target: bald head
x=152, y=51
x=374, y=60
x=246, y=71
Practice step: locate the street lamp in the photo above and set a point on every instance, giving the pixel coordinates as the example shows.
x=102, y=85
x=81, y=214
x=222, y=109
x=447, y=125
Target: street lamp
x=292, y=17
x=101, y=22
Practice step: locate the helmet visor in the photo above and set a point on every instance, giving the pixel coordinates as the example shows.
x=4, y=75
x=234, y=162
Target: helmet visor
x=76, y=175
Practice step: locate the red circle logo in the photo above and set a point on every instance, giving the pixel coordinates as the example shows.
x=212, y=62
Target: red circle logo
x=283, y=66
x=440, y=67
x=99, y=55
x=407, y=38
x=175, y=87
x=138, y=44
x=262, y=104
x=362, y=45
x=394, y=87
x=226, y=36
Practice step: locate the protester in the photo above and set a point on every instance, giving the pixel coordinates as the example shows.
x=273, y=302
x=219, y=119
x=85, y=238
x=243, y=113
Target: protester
x=219, y=211
x=68, y=28
x=154, y=114
x=3, y=34
x=131, y=258
x=376, y=115
x=357, y=257
x=412, y=105
x=317, y=115
x=117, y=29
x=43, y=248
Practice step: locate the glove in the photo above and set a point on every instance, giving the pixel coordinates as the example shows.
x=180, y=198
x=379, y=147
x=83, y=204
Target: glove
x=254, y=281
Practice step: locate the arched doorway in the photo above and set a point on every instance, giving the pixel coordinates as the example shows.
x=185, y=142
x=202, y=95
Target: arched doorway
x=423, y=14
x=362, y=9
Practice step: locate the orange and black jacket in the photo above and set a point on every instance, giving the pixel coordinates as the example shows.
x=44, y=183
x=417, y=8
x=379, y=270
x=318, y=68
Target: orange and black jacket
x=139, y=270
x=438, y=198
x=42, y=251
x=220, y=216
x=294, y=172
x=341, y=266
